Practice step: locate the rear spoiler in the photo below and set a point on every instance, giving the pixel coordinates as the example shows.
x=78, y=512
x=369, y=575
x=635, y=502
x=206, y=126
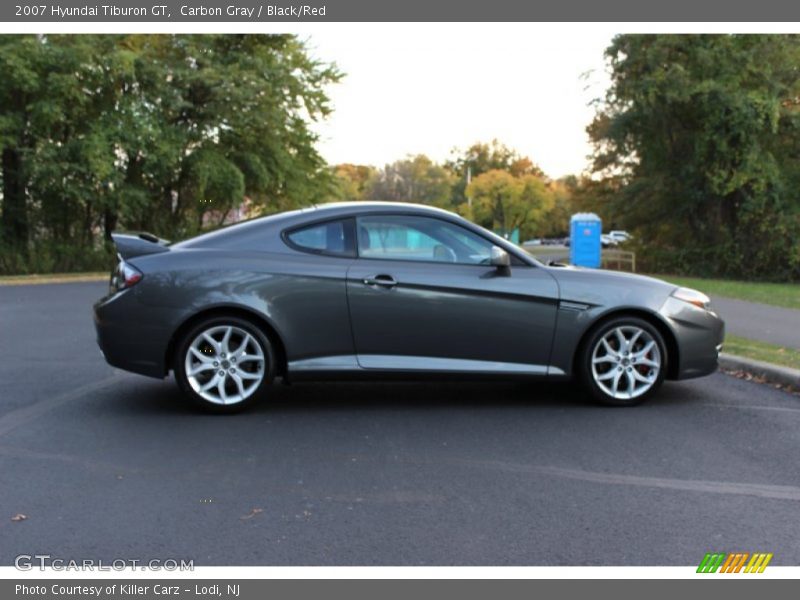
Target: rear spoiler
x=130, y=245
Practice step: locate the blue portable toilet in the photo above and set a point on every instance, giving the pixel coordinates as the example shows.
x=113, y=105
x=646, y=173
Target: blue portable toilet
x=584, y=246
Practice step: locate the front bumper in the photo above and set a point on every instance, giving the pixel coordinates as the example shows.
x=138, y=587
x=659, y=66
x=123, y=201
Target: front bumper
x=699, y=335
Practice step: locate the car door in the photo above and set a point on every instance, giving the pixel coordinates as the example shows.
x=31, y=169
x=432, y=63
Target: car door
x=308, y=296
x=423, y=297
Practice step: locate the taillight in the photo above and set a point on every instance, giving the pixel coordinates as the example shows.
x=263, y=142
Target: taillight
x=124, y=277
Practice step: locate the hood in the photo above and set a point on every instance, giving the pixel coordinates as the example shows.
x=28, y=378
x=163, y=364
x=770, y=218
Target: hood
x=587, y=274
x=599, y=287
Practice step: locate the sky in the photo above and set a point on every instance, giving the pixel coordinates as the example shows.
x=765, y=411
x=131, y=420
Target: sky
x=427, y=88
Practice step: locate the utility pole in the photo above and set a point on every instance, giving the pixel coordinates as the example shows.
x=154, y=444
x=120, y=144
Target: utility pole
x=469, y=179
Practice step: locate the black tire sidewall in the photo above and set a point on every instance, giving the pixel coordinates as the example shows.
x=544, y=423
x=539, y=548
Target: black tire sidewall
x=585, y=360
x=183, y=347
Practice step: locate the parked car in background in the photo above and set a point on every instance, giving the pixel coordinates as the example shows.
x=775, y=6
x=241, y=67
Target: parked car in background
x=372, y=290
x=620, y=236
x=607, y=241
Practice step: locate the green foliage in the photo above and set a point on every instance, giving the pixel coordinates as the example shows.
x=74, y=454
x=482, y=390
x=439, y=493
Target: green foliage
x=153, y=132
x=506, y=202
x=354, y=182
x=512, y=193
x=555, y=222
x=57, y=257
x=483, y=157
x=212, y=183
x=698, y=142
x=414, y=179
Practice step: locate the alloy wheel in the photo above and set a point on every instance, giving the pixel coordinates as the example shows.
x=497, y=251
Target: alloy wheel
x=626, y=362
x=225, y=364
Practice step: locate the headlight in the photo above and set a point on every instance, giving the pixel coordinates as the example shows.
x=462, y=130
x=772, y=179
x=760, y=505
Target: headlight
x=699, y=299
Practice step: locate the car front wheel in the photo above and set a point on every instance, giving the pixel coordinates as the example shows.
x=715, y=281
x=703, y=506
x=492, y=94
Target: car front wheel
x=224, y=364
x=623, y=362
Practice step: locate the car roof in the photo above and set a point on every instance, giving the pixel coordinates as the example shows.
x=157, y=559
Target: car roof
x=364, y=206
x=266, y=233
x=318, y=212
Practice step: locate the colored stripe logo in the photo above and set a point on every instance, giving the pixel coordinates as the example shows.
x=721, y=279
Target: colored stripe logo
x=734, y=562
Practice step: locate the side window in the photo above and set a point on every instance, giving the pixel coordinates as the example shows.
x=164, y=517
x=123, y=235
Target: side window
x=331, y=237
x=408, y=237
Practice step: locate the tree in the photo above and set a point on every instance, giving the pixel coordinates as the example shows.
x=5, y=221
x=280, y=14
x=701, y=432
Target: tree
x=538, y=200
x=481, y=158
x=503, y=202
x=555, y=221
x=152, y=131
x=699, y=136
x=248, y=100
x=414, y=179
x=353, y=182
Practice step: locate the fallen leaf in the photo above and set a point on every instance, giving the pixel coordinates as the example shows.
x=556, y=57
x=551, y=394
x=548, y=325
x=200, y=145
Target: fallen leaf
x=252, y=514
x=19, y=517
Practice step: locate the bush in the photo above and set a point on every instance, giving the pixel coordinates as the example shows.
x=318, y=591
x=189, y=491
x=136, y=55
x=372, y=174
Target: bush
x=722, y=262
x=48, y=257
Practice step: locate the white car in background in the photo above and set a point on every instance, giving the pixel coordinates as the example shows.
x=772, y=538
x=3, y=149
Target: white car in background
x=606, y=241
x=620, y=236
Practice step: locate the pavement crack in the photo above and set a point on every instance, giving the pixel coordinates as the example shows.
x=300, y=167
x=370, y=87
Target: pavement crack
x=86, y=463
x=20, y=416
x=753, y=407
x=777, y=492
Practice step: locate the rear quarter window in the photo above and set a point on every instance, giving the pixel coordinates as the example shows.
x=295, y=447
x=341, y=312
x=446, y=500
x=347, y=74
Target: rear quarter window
x=332, y=238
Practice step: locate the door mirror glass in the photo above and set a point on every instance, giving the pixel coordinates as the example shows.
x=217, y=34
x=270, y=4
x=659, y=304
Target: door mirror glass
x=499, y=257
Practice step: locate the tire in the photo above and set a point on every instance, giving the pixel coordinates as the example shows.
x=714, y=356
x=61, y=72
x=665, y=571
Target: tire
x=224, y=364
x=616, y=373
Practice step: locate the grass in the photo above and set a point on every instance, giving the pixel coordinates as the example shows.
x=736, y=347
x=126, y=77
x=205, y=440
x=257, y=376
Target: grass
x=786, y=295
x=52, y=278
x=778, y=355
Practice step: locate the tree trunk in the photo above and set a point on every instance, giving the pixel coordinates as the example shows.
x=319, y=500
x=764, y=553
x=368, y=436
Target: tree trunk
x=87, y=225
x=15, y=212
x=500, y=213
x=110, y=219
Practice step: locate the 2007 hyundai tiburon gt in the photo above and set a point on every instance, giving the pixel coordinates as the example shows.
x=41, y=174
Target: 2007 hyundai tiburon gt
x=388, y=290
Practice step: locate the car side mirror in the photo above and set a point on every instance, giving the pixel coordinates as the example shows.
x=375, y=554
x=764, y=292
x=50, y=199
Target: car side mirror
x=499, y=258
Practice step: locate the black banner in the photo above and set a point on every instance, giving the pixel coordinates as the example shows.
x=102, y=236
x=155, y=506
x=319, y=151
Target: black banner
x=254, y=11
x=261, y=589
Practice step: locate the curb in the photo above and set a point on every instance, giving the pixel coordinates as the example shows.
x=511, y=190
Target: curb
x=784, y=376
x=52, y=279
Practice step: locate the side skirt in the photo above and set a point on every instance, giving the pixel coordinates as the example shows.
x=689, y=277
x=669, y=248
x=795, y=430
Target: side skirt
x=394, y=367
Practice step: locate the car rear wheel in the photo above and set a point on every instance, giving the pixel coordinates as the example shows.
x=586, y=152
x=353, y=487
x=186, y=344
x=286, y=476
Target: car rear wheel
x=224, y=364
x=623, y=362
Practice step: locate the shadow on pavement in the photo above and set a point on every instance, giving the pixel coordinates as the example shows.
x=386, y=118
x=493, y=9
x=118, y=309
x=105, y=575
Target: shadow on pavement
x=144, y=397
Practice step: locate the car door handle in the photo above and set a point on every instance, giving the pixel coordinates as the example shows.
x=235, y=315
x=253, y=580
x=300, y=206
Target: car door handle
x=381, y=280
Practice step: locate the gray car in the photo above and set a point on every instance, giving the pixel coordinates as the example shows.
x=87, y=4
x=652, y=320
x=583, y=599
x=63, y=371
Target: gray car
x=388, y=290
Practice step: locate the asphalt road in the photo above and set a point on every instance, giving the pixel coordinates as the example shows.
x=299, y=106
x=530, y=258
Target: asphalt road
x=110, y=465
x=755, y=321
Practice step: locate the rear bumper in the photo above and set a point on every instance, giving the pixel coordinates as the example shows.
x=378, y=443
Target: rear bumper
x=132, y=336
